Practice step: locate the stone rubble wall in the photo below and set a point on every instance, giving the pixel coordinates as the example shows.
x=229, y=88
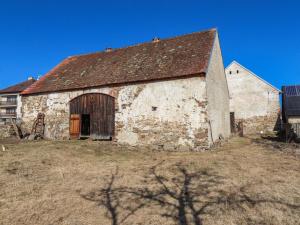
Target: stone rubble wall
x=260, y=124
x=168, y=115
x=5, y=131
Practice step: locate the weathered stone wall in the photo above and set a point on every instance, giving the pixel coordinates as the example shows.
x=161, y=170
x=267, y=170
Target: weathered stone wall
x=170, y=115
x=258, y=124
x=218, y=97
x=4, y=131
x=252, y=100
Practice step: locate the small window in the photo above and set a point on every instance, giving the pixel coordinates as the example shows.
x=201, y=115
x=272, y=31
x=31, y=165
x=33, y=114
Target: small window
x=154, y=108
x=230, y=72
x=237, y=71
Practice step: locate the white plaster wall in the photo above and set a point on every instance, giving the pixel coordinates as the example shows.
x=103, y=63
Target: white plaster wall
x=177, y=105
x=218, y=96
x=178, y=119
x=250, y=96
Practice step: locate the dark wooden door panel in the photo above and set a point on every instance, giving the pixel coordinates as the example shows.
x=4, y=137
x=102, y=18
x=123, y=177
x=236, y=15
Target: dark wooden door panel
x=101, y=111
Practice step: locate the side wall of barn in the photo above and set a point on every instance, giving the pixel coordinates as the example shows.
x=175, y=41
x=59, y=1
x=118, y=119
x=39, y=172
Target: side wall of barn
x=217, y=96
x=170, y=115
x=253, y=101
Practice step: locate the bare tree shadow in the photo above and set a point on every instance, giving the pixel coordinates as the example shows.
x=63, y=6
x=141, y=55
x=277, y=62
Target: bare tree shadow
x=181, y=195
x=114, y=201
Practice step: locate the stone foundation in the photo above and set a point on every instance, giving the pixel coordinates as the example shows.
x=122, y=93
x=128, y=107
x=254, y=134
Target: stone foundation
x=5, y=131
x=260, y=124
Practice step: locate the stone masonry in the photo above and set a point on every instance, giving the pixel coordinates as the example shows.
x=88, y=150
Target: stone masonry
x=166, y=114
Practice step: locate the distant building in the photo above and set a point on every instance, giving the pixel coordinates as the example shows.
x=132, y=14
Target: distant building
x=291, y=104
x=291, y=107
x=10, y=101
x=170, y=94
x=253, y=100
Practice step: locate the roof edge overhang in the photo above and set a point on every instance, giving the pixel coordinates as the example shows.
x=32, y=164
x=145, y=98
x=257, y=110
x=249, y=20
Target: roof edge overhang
x=9, y=93
x=201, y=74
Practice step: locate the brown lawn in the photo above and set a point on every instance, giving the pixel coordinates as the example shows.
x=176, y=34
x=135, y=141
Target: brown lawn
x=246, y=181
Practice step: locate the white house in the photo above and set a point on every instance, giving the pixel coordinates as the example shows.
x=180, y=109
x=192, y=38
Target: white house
x=252, y=100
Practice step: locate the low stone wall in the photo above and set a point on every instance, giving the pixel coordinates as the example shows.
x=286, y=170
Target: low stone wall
x=260, y=124
x=5, y=131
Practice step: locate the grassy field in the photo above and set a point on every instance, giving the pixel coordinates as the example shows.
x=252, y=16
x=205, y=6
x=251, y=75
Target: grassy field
x=245, y=181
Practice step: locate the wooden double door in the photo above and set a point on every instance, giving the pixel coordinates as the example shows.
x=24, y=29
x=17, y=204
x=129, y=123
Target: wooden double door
x=92, y=115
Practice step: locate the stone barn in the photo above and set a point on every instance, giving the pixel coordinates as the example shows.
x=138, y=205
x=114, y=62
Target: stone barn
x=253, y=100
x=171, y=94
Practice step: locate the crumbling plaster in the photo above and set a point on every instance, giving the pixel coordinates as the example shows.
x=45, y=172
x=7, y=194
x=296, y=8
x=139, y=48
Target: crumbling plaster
x=170, y=115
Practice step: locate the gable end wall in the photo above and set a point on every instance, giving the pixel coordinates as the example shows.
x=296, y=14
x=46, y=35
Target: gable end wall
x=217, y=96
x=253, y=101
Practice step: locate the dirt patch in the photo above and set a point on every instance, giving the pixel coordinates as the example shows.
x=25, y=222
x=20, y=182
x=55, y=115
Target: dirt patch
x=83, y=182
x=277, y=144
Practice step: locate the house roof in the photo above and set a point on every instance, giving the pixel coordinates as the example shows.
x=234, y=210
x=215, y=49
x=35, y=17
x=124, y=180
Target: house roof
x=164, y=59
x=253, y=74
x=18, y=87
x=293, y=90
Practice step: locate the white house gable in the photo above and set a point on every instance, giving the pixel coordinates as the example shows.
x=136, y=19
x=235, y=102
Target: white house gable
x=251, y=97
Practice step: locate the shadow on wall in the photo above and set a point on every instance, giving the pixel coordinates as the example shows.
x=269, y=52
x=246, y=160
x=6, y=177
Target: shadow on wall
x=277, y=126
x=184, y=197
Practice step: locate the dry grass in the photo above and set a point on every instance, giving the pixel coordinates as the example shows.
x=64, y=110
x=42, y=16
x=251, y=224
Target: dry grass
x=242, y=182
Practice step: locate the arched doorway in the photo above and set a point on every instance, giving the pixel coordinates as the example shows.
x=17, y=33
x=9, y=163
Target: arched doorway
x=92, y=115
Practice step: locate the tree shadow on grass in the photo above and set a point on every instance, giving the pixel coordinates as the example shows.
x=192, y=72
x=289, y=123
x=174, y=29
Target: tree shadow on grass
x=114, y=201
x=182, y=195
x=179, y=195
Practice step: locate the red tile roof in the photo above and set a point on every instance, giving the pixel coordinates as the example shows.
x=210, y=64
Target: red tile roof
x=18, y=87
x=166, y=59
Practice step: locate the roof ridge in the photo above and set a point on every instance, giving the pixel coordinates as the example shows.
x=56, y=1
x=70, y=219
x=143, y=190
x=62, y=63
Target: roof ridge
x=170, y=58
x=144, y=43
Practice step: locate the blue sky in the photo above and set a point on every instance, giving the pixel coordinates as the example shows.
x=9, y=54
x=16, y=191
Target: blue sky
x=264, y=36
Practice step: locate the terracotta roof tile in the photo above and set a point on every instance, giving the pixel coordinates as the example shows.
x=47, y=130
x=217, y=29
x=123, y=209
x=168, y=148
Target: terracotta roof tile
x=18, y=87
x=170, y=58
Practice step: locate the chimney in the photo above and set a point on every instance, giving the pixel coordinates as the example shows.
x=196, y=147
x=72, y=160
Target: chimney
x=30, y=78
x=155, y=40
x=108, y=50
